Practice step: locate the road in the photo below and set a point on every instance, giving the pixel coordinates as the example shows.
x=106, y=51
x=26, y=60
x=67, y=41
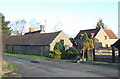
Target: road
x=49, y=68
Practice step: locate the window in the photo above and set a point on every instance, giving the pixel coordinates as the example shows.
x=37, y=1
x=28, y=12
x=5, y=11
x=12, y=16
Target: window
x=62, y=41
x=81, y=37
x=105, y=37
x=107, y=45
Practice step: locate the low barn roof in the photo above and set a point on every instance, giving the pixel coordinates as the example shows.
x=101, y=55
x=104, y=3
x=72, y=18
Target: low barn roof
x=117, y=44
x=33, y=39
x=89, y=31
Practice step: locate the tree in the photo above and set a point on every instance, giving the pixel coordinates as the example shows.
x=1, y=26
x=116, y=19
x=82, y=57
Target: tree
x=87, y=44
x=71, y=39
x=58, y=46
x=5, y=29
x=18, y=26
x=100, y=23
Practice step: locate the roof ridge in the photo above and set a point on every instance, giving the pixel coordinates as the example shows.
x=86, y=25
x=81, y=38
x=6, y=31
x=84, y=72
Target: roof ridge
x=89, y=29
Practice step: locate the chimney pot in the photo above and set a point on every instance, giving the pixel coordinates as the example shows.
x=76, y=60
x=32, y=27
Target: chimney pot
x=31, y=29
x=42, y=28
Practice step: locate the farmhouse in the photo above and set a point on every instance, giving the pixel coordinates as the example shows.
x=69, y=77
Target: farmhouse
x=101, y=37
x=36, y=42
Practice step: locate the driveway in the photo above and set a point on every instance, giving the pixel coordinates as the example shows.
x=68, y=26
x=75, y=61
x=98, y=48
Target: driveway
x=50, y=68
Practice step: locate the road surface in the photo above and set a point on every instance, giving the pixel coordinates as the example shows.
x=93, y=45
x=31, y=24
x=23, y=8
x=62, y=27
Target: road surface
x=48, y=68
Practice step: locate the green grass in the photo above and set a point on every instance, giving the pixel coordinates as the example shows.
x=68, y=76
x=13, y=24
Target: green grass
x=25, y=56
x=8, y=66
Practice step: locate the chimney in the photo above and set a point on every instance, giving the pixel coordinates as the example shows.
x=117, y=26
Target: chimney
x=31, y=29
x=100, y=26
x=92, y=34
x=42, y=28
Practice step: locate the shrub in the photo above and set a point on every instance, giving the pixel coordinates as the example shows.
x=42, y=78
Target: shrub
x=64, y=55
x=55, y=54
x=72, y=52
x=58, y=46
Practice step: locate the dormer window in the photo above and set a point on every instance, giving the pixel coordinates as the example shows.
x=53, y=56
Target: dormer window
x=81, y=37
x=105, y=37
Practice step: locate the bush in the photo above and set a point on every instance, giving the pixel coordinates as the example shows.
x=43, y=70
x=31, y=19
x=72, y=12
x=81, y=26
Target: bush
x=64, y=55
x=58, y=46
x=72, y=52
x=55, y=54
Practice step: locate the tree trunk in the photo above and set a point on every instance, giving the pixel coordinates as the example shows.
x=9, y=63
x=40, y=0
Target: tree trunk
x=83, y=53
x=0, y=47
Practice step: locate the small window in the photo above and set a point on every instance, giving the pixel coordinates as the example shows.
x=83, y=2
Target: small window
x=81, y=37
x=62, y=41
x=105, y=37
x=107, y=45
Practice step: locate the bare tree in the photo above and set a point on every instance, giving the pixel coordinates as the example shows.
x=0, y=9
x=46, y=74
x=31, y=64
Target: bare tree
x=18, y=26
x=58, y=26
x=34, y=23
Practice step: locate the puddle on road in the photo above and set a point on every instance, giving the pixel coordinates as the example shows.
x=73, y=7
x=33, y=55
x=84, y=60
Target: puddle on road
x=13, y=58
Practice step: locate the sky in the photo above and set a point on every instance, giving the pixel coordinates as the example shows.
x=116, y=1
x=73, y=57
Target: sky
x=71, y=16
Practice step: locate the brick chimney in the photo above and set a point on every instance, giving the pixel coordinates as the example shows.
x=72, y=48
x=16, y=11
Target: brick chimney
x=42, y=28
x=31, y=29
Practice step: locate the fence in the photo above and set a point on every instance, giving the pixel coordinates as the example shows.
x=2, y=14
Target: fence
x=105, y=55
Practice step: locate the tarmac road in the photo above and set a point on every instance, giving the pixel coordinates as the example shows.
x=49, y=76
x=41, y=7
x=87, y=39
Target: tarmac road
x=49, y=68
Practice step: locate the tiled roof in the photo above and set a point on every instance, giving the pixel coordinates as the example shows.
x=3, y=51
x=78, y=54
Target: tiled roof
x=94, y=32
x=89, y=33
x=33, y=39
x=110, y=34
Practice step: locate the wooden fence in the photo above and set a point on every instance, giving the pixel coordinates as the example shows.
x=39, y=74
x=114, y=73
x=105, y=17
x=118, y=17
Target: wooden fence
x=105, y=55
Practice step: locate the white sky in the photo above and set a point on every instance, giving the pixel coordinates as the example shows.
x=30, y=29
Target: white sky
x=70, y=15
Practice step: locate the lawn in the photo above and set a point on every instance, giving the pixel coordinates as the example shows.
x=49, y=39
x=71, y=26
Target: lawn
x=25, y=56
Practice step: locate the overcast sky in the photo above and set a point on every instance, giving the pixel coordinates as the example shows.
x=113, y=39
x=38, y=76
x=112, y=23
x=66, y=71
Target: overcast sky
x=71, y=16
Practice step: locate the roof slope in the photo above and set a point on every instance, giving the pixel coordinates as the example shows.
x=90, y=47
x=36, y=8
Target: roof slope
x=89, y=31
x=110, y=34
x=117, y=44
x=33, y=39
x=38, y=31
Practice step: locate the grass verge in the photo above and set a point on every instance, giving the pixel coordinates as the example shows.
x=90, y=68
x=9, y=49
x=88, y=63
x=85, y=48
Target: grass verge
x=25, y=56
x=8, y=68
